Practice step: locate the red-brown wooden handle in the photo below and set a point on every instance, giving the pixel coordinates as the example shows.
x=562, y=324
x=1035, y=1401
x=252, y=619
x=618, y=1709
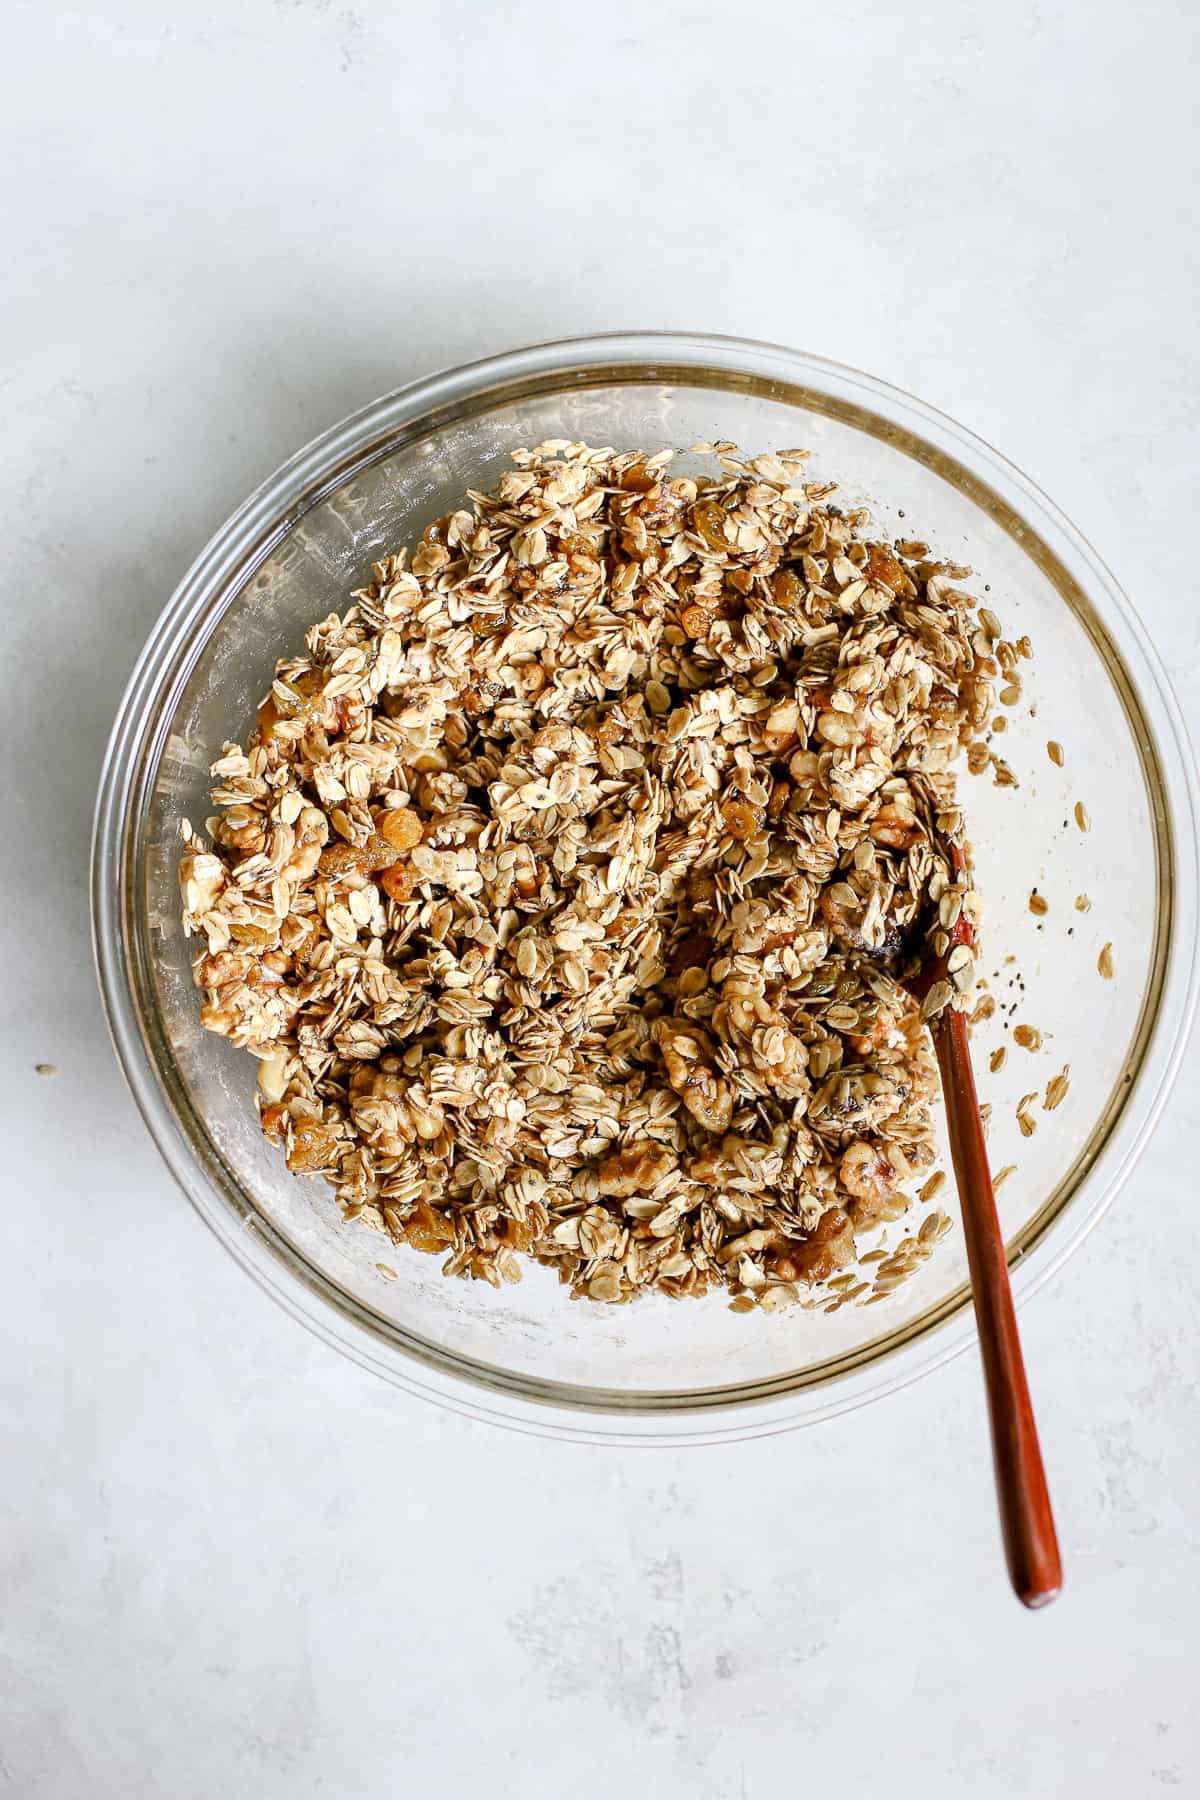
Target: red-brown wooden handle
x=1030, y=1540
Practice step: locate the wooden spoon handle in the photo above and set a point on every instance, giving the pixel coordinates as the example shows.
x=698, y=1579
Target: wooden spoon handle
x=1030, y=1541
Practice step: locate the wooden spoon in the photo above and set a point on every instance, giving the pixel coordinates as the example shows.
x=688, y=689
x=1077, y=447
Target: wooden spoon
x=1026, y=1520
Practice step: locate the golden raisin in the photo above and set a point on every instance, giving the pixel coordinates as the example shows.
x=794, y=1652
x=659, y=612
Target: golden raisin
x=400, y=828
x=780, y=794
x=254, y=937
x=398, y=881
x=426, y=1229
x=708, y=522
x=637, y=479
x=882, y=568
x=273, y=1120
x=696, y=621
x=312, y=1147
x=340, y=859
x=741, y=819
x=787, y=588
x=268, y=717
x=518, y=1234
x=381, y=852
x=302, y=696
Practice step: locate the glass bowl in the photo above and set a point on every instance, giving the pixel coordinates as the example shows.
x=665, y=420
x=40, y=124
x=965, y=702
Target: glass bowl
x=662, y=1369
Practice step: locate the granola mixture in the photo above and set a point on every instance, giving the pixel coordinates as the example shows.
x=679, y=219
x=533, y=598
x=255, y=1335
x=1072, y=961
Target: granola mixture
x=564, y=888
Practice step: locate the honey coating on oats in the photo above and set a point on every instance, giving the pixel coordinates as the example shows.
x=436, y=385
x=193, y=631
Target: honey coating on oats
x=565, y=887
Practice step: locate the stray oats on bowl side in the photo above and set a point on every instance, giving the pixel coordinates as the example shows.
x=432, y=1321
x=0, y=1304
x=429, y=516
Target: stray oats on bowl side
x=565, y=890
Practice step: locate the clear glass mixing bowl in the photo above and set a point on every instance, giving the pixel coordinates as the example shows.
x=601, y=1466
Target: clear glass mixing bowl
x=660, y=1369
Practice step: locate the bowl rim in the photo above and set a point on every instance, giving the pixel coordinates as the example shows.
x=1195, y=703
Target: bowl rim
x=249, y=536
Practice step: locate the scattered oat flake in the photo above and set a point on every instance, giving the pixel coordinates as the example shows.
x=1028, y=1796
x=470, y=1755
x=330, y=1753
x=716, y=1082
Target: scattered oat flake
x=1002, y=1175
x=1056, y=1088
x=933, y=1186
x=1054, y=751
x=997, y=1059
x=1028, y=1037
x=1104, y=962
x=1082, y=816
x=387, y=1270
x=1038, y=904
x=1082, y=903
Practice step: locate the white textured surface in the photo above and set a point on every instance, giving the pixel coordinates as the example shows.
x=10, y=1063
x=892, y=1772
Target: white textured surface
x=232, y=1563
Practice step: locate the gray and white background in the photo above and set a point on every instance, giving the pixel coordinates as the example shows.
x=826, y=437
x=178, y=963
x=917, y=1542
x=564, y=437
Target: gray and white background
x=233, y=1564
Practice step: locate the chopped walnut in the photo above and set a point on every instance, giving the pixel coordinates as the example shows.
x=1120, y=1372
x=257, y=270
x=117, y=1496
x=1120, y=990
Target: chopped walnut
x=828, y=1248
x=635, y=1170
x=687, y=1055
